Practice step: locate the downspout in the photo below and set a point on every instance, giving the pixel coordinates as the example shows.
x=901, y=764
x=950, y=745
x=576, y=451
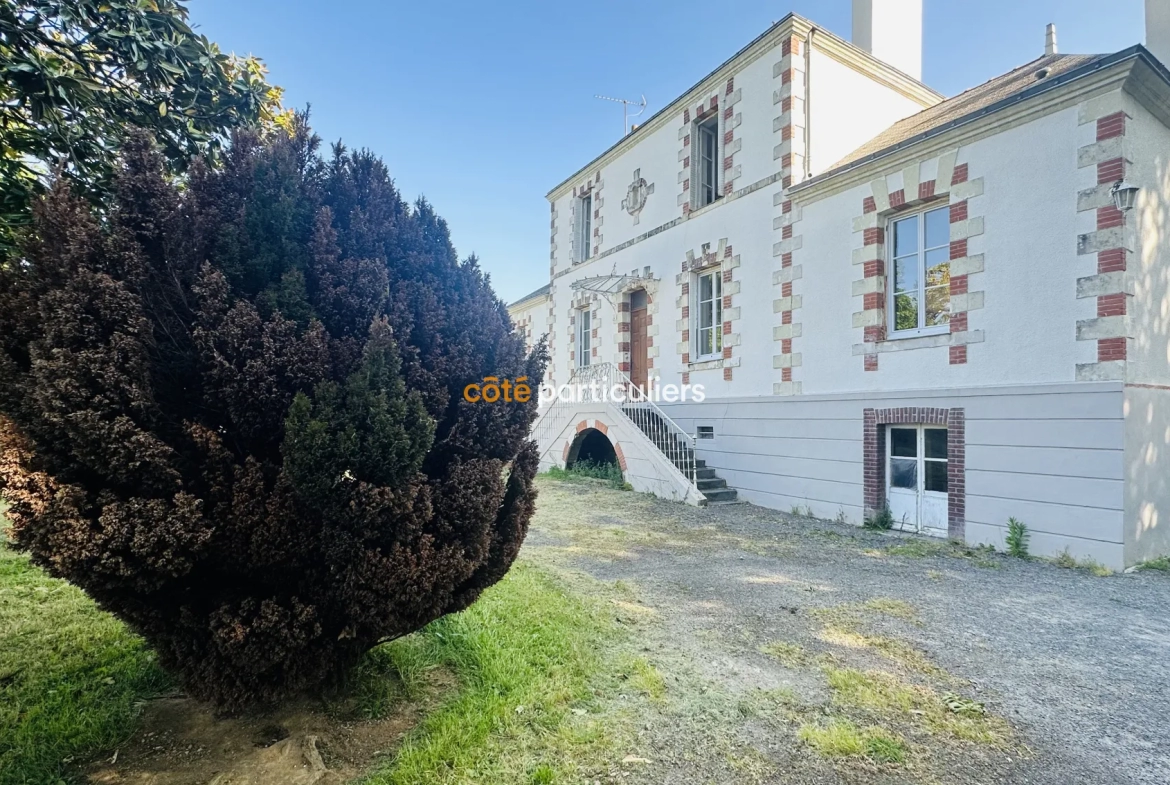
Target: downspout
x=808, y=40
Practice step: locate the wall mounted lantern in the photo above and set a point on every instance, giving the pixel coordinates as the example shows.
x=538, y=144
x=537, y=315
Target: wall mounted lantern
x=1124, y=195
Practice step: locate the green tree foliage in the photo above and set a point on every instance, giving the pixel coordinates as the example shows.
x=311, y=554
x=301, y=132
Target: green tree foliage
x=75, y=74
x=232, y=413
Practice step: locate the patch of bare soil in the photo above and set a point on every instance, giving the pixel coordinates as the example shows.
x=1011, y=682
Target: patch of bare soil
x=183, y=742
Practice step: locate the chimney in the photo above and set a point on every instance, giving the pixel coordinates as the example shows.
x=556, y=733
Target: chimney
x=1158, y=29
x=891, y=30
x=1050, y=40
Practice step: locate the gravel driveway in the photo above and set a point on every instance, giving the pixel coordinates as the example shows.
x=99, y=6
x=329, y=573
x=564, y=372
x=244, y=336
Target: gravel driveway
x=1078, y=665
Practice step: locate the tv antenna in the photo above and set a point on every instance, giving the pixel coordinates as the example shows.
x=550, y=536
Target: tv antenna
x=626, y=116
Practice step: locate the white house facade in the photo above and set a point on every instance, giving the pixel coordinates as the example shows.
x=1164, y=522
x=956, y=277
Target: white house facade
x=891, y=300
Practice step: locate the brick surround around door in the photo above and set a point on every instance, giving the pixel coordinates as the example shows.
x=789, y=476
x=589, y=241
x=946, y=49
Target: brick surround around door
x=874, y=457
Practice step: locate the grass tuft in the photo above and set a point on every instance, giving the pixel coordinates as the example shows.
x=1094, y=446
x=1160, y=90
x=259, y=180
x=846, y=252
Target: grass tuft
x=841, y=738
x=790, y=655
x=883, y=694
x=1092, y=566
x=1161, y=564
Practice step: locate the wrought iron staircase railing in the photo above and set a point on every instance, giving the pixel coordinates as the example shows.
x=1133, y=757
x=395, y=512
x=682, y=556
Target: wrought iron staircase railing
x=597, y=384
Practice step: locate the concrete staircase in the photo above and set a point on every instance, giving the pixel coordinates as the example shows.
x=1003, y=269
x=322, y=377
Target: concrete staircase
x=712, y=485
x=679, y=452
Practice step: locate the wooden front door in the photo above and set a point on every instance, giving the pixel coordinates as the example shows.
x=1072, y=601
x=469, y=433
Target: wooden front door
x=638, y=323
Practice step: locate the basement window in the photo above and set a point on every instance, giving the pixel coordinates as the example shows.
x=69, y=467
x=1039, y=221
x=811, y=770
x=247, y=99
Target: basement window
x=706, y=432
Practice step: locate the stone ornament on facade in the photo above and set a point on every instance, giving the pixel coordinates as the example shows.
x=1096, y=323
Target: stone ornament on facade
x=1101, y=163
x=951, y=180
x=723, y=259
x=636, y=195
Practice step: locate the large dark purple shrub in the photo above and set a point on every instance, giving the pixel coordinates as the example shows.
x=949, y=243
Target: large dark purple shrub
x=232, y=412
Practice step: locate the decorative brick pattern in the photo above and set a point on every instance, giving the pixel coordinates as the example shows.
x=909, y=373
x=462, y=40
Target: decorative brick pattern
x=621, y=301
x=582, y=301
x=874, y=422
x=789, y=152
x=552, y=228
x=724, y=259
x=592, y=186
x=599, y=426
x=1101, y=163
x=907, y=191
x=720, y=102
x=787, y=305
x=788, y=125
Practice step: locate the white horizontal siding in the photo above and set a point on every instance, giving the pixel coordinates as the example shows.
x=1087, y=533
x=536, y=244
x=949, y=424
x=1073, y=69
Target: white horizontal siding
x=1048, y=455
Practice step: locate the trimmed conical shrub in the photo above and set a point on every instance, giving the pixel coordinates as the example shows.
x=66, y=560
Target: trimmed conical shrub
x=231, y=411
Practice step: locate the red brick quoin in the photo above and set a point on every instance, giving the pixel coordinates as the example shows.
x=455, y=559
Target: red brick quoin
x=874, y=457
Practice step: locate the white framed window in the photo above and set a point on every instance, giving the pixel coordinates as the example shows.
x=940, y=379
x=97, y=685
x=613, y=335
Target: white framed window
x=708, y=314
x=920, y=272
x=584, y=229
x=584, y=338
x=707, y=161
x=918, y=458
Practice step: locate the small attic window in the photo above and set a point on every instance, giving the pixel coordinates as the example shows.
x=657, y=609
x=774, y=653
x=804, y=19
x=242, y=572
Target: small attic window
x=1043, y=73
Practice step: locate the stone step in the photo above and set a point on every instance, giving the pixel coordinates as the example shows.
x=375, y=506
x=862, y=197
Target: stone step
x=704, y=473
x=721, y=495
x=711, y=484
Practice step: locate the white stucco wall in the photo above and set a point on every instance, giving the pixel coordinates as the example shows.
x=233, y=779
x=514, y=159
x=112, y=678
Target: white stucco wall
x=533, y=315
x=848, y=109
x=1148, y=142
x=1147, y=473
x=1029, y=244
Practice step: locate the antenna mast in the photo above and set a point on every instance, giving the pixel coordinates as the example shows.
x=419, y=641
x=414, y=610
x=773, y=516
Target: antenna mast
x=626, y=116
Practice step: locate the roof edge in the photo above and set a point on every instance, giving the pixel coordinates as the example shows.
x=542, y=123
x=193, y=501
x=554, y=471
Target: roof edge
x=539, y=293
x=838, y=47
x=1136, y=53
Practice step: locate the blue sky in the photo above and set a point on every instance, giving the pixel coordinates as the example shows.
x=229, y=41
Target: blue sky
x=485, y=106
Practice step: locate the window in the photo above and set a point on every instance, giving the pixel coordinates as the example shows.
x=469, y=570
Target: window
x=584, y=338
x=709, y=314
x=918, y=459
x=584, y=239
x=707, y=150
x=920, y=293
x=705, y=432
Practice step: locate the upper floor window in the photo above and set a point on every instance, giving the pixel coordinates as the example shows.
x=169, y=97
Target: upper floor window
x=709, y=314
x=707, y=150
x=584, y=338
x=584, y=238
x=920, y=253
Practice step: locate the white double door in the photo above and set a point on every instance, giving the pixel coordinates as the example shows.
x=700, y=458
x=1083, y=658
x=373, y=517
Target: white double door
x=916, y=478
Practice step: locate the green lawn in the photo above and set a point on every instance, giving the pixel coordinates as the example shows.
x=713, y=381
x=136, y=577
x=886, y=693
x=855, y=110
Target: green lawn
x=71, y=675
x=72, y=679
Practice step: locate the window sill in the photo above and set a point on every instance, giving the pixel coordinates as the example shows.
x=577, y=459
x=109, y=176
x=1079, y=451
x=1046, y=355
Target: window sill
x=699, y=210
x=711, y=363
